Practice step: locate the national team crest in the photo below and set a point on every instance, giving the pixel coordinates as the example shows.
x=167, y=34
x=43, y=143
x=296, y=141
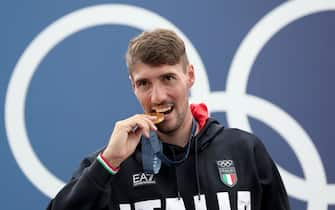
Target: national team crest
x=227, y=172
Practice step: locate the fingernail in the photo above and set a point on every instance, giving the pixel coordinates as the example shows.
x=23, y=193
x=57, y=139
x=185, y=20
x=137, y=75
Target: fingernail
x=147, y=134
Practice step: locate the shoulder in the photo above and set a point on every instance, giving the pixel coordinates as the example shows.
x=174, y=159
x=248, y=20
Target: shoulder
x=243, y=142
x=237, y=136
x=230, y=137
x=213, y=127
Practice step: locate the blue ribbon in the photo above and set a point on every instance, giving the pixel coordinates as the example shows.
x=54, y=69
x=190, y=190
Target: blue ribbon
x=153, y=156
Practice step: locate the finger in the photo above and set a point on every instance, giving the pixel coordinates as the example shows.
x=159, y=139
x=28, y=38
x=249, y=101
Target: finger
x=131, y=124
x=151, y=123
x=142, y=123
x=143, y=126
x=150, y=120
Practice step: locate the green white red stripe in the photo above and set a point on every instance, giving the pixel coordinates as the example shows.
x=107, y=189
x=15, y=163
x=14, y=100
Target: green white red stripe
x=230, y=179
x=107, y=165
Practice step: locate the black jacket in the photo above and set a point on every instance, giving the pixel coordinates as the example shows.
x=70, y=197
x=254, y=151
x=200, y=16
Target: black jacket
x=226, y=169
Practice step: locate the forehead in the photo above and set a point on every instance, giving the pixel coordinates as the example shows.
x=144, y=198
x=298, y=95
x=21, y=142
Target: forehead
x=144, y=71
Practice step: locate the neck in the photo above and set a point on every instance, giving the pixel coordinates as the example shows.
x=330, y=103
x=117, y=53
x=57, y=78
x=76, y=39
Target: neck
x=181, y=136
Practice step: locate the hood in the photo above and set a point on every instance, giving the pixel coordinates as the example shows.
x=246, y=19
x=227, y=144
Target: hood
x=208, y=127
x=200, y=114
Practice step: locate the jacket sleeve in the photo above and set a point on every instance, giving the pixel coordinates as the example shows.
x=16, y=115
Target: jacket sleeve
x=89, y=188
x=274, y=195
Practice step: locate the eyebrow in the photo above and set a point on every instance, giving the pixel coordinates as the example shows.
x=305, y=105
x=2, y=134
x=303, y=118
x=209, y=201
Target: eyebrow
x=160, y=77
x=140, y=80
x=167, y=74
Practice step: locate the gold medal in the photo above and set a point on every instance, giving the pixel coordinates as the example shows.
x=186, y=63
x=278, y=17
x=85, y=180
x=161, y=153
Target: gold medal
x=159, y=117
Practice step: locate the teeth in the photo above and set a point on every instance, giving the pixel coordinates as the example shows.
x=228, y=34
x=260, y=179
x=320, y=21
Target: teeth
x=162, y=109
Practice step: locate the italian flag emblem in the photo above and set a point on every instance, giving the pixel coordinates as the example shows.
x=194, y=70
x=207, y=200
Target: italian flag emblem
x=227, y=172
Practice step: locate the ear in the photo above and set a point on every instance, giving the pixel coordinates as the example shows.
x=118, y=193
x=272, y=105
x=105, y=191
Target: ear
x=190, y=75
x=131, y=82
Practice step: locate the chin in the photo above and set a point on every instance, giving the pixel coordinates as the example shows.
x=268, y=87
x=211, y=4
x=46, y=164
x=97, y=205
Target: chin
x=164, y=127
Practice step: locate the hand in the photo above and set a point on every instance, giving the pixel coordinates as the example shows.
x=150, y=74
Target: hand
x=126, y=136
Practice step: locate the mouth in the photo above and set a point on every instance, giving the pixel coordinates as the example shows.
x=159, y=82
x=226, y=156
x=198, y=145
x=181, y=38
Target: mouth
x=164, y=109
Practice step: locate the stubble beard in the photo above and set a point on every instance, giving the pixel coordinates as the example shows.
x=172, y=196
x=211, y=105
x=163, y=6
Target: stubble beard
x=180, y=118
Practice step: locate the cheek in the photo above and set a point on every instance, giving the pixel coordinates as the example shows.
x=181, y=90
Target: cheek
x=181, y=95
x=140, y=98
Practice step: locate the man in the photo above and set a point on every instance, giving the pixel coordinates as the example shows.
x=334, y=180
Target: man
x=195, y=164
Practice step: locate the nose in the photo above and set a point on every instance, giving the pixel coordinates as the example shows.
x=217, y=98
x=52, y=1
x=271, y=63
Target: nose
x=158, y=94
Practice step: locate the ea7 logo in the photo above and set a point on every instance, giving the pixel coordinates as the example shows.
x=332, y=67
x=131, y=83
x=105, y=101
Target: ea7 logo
x=143, y=179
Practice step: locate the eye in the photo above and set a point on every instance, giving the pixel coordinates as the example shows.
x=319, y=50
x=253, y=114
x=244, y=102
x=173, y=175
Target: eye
x=168, y=77
x=142, y=83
